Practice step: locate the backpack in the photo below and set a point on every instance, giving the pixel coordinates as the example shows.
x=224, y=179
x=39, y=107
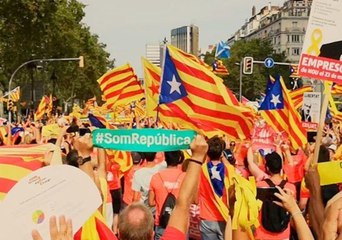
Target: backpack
x=274, y=218
x=167, y=208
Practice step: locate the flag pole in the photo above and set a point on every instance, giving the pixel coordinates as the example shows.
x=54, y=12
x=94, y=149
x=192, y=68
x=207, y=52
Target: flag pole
x=161, y=76
x=327, y=93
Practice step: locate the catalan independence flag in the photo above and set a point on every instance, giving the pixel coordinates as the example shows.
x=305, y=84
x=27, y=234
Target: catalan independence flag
x=294, y=73
x=120, y=86
x=278, y=111
x=193, y=93
x=219, y=68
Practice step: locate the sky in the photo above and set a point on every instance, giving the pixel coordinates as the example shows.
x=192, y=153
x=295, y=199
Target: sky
x=127, y=26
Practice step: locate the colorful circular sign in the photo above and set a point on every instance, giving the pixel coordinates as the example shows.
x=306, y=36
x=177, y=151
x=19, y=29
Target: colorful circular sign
x=38, y=217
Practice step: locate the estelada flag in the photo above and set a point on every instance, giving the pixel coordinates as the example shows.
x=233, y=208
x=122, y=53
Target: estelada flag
x=193, y=93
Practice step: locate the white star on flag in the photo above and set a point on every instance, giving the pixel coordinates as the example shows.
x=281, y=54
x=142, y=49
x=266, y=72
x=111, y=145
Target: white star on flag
x=174, y=85
x=275, y=100
x=215, y=173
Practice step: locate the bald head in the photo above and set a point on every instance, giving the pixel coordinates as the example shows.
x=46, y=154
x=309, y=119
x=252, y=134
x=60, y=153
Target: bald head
x=136, y=223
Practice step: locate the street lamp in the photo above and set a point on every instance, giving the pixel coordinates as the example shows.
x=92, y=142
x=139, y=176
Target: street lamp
x=79, y=59
x=240, y=80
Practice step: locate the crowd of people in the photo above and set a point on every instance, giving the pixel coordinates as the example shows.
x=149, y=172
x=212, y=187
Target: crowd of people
x=152, y=200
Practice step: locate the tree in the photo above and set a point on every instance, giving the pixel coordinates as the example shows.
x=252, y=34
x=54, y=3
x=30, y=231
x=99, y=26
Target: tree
x=255, y=84
x=35, y=29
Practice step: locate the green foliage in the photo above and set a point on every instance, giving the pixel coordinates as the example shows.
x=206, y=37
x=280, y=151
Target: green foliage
x=255, y=84
x=37, y=29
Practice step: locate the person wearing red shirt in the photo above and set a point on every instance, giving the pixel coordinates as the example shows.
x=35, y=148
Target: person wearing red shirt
x=164, y=182
x=212, y=183
x=113, y=179
x=273, y=168
x=128, y=192
x=294, y=166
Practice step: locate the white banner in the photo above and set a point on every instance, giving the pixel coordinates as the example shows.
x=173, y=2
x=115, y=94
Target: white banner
x=322, y=49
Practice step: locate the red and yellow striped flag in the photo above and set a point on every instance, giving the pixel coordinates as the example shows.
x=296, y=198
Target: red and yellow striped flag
x=15, y=94
x=120, y=86
x=219, y=68
x=336, y=89
x=192, y=93
x=43, y=107
x=152, y=84
x=287, y=119
x=17, y=162
x=297, y=95
x=294, y=73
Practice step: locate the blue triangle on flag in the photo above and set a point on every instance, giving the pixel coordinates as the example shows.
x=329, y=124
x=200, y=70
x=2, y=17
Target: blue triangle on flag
x=172, y=87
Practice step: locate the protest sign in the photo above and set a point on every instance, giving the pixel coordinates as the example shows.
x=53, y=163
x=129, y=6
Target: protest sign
x=330, y=172
x=311, y=109
x=322, y=48
x=49, y=191
x=143, y=140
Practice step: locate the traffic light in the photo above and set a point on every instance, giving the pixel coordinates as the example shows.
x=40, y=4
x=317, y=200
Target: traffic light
x=10, y=105
x=247, y=65
x=81, y=62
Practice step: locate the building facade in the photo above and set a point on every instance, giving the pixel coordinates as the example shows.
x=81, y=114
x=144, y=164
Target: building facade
x=186, y=38
x=153, y=53
x=284, y=26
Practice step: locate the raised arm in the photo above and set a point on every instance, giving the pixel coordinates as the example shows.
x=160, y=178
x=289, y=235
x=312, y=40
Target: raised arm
x=101, y=159
x=253, y=167
x=316, y=207
x=180, y=215
x=289, y=203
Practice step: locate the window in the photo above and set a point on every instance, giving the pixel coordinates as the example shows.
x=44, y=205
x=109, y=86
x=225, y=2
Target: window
x=295, y=38
x=288, y=38
x=295, y=51
x=294, y=24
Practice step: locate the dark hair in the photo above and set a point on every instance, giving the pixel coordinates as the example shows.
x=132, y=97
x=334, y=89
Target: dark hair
x=17, y=141
x=173, y=158
x=52, y=140
x=229, y=155
x=71, y=158
x=323, y=155
x=216, y=146
x=149, y=156
x=273, y=162
x=136, y=157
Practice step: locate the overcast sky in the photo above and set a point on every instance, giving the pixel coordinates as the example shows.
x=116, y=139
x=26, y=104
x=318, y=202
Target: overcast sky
x=127, y=26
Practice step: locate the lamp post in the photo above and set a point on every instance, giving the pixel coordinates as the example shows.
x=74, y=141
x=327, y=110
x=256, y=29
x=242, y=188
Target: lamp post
x=240, y=79
x=79, y=59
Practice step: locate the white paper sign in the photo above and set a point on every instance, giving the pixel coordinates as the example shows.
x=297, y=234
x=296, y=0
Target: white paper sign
x=322, y=49
x=49, y=191
x=311, y=110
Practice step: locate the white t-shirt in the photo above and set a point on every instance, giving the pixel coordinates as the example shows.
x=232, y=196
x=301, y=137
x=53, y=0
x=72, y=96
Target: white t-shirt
x=142, y=178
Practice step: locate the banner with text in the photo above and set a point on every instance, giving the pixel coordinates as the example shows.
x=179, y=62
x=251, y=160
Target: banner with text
x=143, y=140
x=311, y=110
x=322, y=49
